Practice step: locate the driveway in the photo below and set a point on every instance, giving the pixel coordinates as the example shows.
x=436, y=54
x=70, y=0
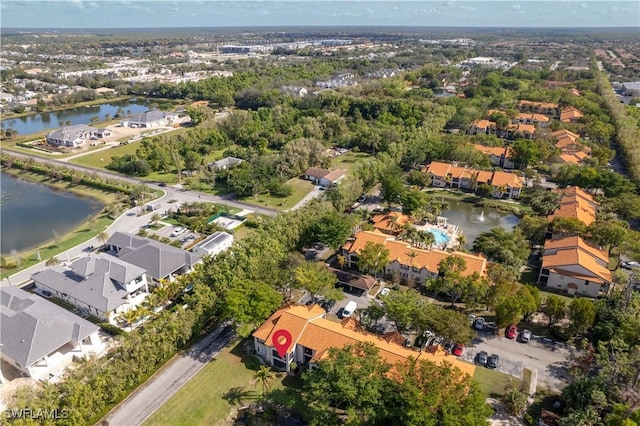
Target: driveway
x=315, y=193
x=551, y=360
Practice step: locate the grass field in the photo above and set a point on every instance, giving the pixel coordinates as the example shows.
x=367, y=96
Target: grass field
x=300, y=189
x=99, y=160
x=349, y=161
x=225, y=382
x=493, y=382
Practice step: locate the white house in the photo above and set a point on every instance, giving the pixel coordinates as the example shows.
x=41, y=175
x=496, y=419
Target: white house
x=324, y=177
x=40, y=338
x=150, y=119
x=72, y=136
x=225, y=163
x=101, y=285
x=214, y=244
x=159, y=260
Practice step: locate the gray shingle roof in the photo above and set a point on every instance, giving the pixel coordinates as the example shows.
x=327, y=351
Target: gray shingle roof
x=150, y=116
x=32, y=327
x=97, y=281
x=158, y=259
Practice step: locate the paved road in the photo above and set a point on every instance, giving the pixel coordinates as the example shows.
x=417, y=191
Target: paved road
x=143, y=402
x=171, y=192
x=129, y=221
x=549, y=359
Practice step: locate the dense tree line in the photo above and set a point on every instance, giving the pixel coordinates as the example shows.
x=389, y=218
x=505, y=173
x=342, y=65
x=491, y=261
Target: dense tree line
x=355, y=385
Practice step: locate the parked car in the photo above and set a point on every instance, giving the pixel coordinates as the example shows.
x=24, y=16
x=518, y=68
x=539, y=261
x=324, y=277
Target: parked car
x=178, y=231
x=362, y=198
x=512, y=332
x=385, y=291
x=328, y=304
x=46, y=293
x=481, y=358
x=479, y=323
x=448, y=347
x=458, y=349
x=525, y=336
x=349, y=309
x=630, y=265
x=492, y=361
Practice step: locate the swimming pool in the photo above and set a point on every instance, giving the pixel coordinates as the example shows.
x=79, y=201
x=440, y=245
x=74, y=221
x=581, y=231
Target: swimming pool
x=441, y=236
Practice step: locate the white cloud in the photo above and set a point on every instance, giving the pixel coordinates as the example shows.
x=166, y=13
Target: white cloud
x=516, y=7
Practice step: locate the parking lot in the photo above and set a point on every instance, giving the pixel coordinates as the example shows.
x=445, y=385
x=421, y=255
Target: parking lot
x=185, y=238
x=551, y=360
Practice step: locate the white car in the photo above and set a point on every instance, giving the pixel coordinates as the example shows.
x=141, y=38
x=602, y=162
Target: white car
x=384, y=291
x=630, y=265
x=178, y=231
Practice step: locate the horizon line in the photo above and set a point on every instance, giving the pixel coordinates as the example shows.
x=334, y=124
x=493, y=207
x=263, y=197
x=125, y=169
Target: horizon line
x=316, y=26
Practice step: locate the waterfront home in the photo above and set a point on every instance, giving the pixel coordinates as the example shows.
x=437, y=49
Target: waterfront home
x=98, y=285
x=39, y=338
x=71, y=136
x=150, y=119
x=410, y=263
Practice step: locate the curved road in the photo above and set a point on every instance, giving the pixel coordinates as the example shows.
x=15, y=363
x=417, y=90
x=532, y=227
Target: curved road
x=171, y=192
x=129, y=221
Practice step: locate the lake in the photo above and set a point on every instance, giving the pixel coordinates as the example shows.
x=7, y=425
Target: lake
x=31, y=212
x=80, y=115
x=475, y=220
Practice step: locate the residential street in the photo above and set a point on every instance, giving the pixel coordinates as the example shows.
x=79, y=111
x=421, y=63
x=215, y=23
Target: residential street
x=143, y=402
x=129, y=221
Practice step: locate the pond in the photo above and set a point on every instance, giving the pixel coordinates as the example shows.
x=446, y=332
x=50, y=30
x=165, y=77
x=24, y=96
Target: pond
x=475, y=220
x=31, y=212
x=80, y=115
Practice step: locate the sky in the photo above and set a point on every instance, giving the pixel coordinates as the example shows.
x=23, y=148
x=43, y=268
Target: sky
x=251, y=13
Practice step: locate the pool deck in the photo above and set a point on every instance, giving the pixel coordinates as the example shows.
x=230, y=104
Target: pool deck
x=450, y=231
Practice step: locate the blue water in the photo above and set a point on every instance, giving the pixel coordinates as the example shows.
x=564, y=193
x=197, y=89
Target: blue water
x=81, y=115
x=31, y=213
x=440, y=235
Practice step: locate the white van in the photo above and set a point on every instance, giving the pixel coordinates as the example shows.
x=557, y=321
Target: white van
x=349, y=309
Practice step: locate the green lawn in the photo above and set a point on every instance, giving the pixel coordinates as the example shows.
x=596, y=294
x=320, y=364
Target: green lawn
x=493, y=382
x=349, y=161
x=225, y=382
x=300, y=189
x=99, y=160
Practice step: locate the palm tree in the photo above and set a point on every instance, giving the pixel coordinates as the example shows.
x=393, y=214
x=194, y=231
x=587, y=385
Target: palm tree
x=264, y=376
x=103, y=237
x=462, y=240
x=130, y=317
x=154, y=219
x=152, y=301
x=142, y=312
x=53, y=261
x=427, y=239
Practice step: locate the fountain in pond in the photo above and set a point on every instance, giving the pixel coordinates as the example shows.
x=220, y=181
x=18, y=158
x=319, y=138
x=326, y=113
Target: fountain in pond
x=478, y=218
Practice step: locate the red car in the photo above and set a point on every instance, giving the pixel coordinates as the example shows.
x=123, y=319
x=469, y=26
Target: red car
x=512, y=332
x=458, y=349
